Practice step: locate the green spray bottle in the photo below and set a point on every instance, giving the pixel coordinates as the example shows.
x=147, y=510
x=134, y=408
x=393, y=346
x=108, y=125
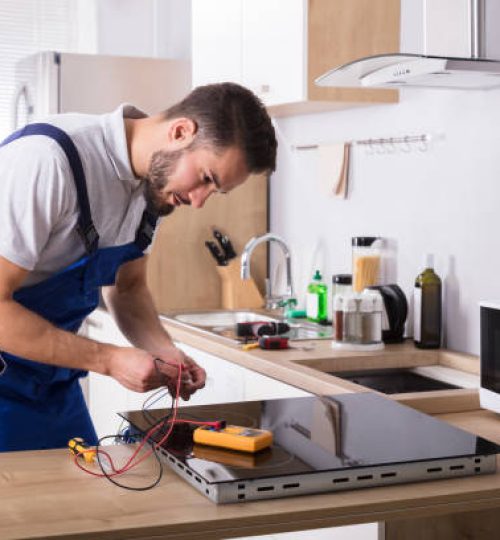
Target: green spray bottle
x=316, y=300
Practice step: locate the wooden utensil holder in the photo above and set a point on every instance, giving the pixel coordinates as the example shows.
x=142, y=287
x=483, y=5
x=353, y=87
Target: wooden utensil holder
x=236, y=292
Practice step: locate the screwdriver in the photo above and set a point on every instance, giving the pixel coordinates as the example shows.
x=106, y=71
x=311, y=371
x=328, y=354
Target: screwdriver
x=79, y=447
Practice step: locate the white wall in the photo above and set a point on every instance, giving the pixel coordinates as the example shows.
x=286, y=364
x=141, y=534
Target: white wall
x=445, y=200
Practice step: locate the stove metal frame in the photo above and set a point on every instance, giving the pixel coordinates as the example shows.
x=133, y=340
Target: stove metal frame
x=330, y=481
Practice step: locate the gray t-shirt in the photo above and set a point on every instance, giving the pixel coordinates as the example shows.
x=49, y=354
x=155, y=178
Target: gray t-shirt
x=38, y=204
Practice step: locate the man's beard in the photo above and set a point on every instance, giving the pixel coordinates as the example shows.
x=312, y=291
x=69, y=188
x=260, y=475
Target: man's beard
x=163, y=164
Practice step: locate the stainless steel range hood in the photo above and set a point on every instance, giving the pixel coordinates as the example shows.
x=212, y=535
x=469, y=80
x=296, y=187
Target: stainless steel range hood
x=415, y=70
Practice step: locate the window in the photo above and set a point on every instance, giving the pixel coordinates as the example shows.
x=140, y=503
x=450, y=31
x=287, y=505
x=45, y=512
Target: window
x=28, y=26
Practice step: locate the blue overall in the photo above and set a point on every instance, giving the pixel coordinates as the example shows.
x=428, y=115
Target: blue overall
x=42, y=406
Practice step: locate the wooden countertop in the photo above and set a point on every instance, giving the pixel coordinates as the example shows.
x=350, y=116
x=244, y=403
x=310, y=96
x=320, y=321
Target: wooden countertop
x=43, y=495
x=311, y=370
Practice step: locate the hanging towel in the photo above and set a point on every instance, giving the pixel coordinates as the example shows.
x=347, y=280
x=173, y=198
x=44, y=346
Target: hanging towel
x=340, y=190
x=334, y=169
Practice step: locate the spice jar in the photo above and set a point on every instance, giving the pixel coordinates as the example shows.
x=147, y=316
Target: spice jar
x=352, y=319
x=366, y=261
x=371, y=317
x=341, y=285
x=358, y=319
x=338, y=317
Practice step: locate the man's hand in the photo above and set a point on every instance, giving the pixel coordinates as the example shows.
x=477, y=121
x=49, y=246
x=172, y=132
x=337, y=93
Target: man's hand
x=136, y=370
x=193, y=376
x=140, y=371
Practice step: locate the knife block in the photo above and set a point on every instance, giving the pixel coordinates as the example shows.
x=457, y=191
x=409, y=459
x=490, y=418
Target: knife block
x=236, y=292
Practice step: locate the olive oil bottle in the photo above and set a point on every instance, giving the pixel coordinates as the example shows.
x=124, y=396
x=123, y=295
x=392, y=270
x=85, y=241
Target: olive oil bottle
x=427, y=307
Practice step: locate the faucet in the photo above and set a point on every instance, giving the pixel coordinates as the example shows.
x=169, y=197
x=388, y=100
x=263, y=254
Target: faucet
x=272, y=302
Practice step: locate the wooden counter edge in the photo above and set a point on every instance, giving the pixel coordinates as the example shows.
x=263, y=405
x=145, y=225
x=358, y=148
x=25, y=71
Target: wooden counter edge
x=278, y=515
x=310, y=373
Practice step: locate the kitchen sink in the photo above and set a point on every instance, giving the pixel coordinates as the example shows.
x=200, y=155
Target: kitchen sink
x=220, y=318
x=394, y=381
x=222, y=323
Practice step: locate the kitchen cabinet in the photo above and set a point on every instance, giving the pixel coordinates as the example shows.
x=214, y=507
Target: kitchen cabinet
x=277, y=48
x=226, y=382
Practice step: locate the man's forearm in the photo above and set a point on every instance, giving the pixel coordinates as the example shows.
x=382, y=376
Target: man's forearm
x=134, y=311
x=26, y=334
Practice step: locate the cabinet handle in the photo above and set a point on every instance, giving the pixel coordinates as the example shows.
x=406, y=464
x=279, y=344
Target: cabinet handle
x=262, y=89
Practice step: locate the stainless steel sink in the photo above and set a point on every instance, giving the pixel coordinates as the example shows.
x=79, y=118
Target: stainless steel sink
x=222, y=323
x=220, y=318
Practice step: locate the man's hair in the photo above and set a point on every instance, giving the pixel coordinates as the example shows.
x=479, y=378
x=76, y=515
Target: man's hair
x=227, y=114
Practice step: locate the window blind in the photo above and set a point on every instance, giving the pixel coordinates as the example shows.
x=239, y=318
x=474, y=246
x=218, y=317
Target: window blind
x=26, y=27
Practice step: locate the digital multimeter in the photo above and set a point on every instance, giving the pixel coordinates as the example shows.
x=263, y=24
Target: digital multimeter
x=240, y=438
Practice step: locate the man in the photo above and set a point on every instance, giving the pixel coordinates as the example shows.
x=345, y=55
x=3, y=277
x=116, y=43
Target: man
x=79, y=198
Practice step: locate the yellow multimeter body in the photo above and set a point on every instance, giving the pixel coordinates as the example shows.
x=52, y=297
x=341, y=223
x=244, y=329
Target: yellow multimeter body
x=240, y=438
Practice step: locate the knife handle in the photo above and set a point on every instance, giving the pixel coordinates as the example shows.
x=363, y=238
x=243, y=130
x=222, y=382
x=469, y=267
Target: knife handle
x=228, y=248
x=225, y=245
x=216, y=253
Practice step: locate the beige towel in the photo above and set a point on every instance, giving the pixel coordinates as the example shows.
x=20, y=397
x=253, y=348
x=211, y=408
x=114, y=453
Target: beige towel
x=334, y=169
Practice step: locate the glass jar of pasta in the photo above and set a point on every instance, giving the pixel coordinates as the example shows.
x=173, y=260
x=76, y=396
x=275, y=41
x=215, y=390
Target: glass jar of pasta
x=366, y=261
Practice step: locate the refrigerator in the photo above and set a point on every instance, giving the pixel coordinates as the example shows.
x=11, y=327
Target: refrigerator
x=52, y=82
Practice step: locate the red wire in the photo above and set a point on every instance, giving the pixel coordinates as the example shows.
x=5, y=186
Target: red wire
x=130, y=463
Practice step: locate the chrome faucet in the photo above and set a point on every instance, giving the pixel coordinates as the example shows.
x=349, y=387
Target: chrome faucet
x=272, y=302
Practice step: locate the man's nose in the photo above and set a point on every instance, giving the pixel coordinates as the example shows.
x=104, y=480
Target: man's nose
x=199, y=196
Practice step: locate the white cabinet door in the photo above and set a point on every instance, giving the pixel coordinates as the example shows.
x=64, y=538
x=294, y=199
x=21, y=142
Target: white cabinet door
x=216, y=41
x=258, y=386
x=258, y=43
x=224, y=383
x=273, y=47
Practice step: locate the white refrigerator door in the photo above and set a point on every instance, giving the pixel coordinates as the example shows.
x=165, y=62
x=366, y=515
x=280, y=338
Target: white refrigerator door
x=37, y=90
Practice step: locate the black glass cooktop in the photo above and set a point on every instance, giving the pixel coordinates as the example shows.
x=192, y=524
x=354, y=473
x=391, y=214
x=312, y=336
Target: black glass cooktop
x=395, y=381
x=314, y=434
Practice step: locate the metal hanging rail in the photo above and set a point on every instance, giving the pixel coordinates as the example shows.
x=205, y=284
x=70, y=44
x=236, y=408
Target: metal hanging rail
x=407, y=139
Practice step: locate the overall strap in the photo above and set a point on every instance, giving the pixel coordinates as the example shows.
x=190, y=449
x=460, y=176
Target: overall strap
x=85, y=227
x=145, y=232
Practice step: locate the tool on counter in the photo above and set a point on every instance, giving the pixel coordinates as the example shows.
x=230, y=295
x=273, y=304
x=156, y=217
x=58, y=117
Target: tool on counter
x=225, y=244
x=78, y=447
x=240, y=438
x=261, y=328
x=276, y=343
x=216, y=253
x=269, y=343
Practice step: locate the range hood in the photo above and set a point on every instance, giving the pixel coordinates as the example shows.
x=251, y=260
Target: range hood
x=417, y=70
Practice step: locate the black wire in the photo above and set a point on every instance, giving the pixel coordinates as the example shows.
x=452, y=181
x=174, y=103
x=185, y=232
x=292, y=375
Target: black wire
x=113, y=481
x=164, y=419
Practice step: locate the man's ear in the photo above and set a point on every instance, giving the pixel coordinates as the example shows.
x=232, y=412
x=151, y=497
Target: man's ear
x=181, y=132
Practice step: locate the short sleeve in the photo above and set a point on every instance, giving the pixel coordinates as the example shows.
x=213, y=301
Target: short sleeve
x=35, y=195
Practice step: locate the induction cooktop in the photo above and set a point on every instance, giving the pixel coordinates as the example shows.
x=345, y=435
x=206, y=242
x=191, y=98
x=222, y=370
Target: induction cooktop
x=321, y=444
